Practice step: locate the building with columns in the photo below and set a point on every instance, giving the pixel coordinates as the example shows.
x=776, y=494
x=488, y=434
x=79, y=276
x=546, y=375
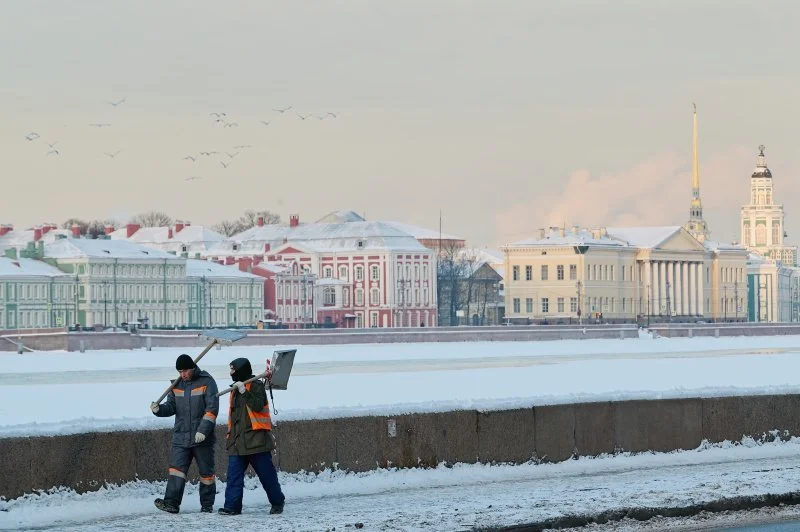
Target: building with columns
x=623, y=274
x=762, y=220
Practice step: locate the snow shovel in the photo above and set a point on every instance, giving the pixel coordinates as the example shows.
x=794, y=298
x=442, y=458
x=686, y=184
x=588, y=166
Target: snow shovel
x=217, y=336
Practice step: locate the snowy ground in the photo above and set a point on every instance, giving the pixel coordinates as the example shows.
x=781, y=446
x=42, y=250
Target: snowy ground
x=461, y=497
x=388, y=379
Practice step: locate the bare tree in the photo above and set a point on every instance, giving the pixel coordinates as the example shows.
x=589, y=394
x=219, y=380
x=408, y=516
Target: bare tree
x=450, y=273
x=82, y=224
x=98, y=227
x=152, y=219
x=226, y=227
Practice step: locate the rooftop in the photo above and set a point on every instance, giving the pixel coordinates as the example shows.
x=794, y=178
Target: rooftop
x=206, y=268
x=28, y=267
x=71, y=248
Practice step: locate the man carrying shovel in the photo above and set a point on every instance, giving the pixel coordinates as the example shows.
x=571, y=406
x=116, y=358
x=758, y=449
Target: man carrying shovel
x=194, y=403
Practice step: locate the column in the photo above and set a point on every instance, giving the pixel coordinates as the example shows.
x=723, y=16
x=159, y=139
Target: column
x=685, y=288
x=648, y=287
x=669, y=284
x=662, y=287
x=700, y=291
x=691, y=285
x=678, y=290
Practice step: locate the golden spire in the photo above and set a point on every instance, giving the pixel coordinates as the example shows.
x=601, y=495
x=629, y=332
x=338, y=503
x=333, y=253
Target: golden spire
x=695, y=166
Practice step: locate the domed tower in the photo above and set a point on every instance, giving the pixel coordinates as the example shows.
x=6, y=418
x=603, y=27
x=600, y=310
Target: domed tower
x=762, y=220
x=696, y=225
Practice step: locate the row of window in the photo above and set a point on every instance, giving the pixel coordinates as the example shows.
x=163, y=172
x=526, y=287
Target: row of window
x=375, y=272
x=544, y=272
x=31, y=291
x=761, y=234
x=133, y=270
x=545, y=305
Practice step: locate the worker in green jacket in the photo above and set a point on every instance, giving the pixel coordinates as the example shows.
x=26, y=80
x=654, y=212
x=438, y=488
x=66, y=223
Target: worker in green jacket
x=249, y=440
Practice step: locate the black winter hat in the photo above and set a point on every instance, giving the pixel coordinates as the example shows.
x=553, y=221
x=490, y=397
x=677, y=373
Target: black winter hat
x=184, y=362
x=241, y=370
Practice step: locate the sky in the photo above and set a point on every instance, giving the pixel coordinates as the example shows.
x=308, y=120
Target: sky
x=503, y=116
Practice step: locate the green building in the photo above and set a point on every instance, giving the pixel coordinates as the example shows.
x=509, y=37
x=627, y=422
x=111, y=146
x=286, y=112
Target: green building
x=223, y=296
x=34, y=294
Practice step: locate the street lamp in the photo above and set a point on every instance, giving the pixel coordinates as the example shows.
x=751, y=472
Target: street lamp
x=725, y=303
x=578, y=287
x=736, y=297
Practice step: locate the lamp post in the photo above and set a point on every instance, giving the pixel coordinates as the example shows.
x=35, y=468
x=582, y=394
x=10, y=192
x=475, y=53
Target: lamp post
x=736, y=297
x=668, y=309
x=578, y=287
x=725, y=303
x=649, y=310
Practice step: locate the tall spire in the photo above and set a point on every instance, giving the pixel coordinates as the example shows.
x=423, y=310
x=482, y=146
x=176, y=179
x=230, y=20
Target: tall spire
x=696, y=225
x=695, y=166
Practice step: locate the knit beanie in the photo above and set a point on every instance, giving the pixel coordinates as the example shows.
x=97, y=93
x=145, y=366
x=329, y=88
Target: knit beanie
x=184, y=362
x=241, y=370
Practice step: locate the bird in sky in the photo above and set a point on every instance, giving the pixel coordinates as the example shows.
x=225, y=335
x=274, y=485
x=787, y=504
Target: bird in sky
x=231, y=124
x=218, y=115
x=242, y=146
x=320, y=117
x=190, y=158
x=53, y=145
x=52, y=152
x=100, y=125
x=112, y=155
x=266, y=122
x=32, y=135
x=303, y=117
x=223, y=164
x=118, y=102
x=231, y=155
x=281, y=111
x=192, y=178
x=207, y=153
x=331, y=114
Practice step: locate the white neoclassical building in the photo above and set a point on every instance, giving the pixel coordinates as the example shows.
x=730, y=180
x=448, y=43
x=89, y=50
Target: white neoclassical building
x=762, y=220
x=623, y=273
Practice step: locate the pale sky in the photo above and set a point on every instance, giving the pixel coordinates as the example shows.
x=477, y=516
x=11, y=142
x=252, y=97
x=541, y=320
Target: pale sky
x=507, y=116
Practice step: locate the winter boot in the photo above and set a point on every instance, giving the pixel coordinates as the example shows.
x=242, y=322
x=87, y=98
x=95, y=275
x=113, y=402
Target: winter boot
x=164, y=506
x=207, y=509
x=276, y=509
x=228, y=511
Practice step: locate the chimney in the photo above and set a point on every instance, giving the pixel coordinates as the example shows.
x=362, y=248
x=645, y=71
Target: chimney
x=46, y=228
x=76, y=231
x=266, y=247
x=229, y=261
x=131, y=230
x=187, y=223
x=257, y=261
x=260, y=221
x=5, y=228
x=109, y=229
x=178, y=225
x=244, y=264
x=37, y=233
x=169, y=233
x=294, y=220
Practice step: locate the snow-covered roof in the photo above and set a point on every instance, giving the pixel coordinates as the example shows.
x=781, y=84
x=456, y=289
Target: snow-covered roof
x=72, y=248
x=340, y=217
x=327, y=237
x=189, y=234
x=643, y=237
x=330, y=281
x=421, y=232
x=569, y=238
x=20, y=238
x=28, y=268
x=713, y=245
x=207, y=268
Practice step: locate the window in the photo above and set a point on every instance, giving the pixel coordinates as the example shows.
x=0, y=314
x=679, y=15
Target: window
x=573, y=304
x=516, y=305
x=359, y=273
x=573, y=272
x=329, y=296
x=623, y=272
x=345, y=297
x=560, y=272
x=359, y=297
x=529, y=305
x=327, y=272
x=544, y=272
x=560, y=303
x=515, y=273
x=612, y=273
x=416, y=271
x=343, y=273
x=424, y=271
x=545, y=305
x=374, y=297
x=373, y=319
x=375, y=271
x=529, y=273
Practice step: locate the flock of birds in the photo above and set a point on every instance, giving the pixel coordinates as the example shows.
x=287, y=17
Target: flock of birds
x=218, y=119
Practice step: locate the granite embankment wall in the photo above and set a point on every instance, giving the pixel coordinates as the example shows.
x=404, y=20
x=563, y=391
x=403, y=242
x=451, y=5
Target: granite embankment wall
x=547, y=433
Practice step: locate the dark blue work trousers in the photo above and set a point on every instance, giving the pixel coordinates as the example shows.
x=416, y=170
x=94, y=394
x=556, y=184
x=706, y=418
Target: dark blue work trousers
x=264, y=468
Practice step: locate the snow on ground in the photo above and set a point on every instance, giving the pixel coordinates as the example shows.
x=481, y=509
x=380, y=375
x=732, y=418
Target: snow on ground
x=112, y=390
x=459, y=497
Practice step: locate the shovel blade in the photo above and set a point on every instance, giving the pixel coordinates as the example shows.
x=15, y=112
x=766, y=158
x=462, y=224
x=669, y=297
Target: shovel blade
x=223, y=336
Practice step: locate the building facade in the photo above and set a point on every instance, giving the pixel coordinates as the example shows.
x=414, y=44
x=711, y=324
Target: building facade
x=762, y=220
x=222, y=296
x=771, y=290
x=34, y=294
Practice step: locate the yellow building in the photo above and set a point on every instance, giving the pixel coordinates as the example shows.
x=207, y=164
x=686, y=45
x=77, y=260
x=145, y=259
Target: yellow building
x=621, y=274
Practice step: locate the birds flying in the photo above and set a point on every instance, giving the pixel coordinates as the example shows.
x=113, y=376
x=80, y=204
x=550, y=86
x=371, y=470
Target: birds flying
x=32, y=135
x=53, y=145
x=223, y=164
x=52, y=152
x=281, y=111
x=190, y=158
x=242, y=146
x=192, y=178
x=112, y=155
x=100, y=125
x=118, y=102
x=231, y=156
x=266, y=122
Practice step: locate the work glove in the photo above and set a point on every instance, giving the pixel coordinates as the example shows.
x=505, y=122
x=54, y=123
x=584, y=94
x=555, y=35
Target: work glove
x=240, y=386
x=199, y=437
x=154, y=407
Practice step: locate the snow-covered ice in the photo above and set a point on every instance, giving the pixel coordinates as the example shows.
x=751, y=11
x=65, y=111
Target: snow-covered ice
x=70, y=391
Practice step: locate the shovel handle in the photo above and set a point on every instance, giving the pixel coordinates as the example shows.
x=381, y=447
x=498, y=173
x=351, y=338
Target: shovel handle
x=248, y=381
x=196, y=360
